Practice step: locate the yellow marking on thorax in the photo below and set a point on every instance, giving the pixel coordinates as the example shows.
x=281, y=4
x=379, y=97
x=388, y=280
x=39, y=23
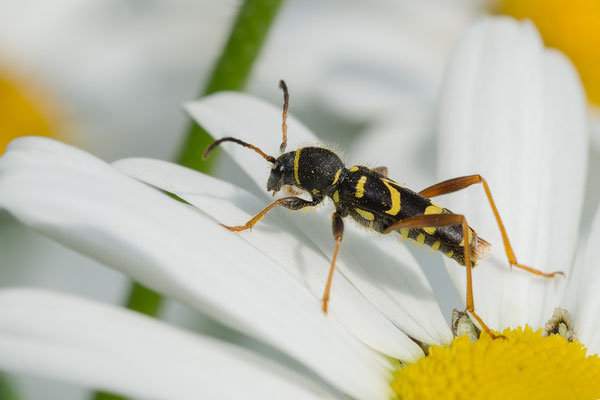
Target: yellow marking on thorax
x=360, y=187
x=353, y=169
x=432, y=209
x=395, y=196
x=450, y=254
x=365, y=214
x=421, y=239
x=296, y=162
x=315, y=191
x=436, y=245
x=337, y=176
x=336, y=197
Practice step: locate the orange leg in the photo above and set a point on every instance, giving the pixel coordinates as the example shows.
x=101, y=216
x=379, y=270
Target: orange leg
x=296, y=203
x=438, y=221
x=292, y=203
x=337, y=225
x=456, y=184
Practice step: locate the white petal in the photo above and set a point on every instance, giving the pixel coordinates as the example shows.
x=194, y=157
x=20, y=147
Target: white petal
x=383, y=271
x=403, y=144
x=594, y=114
x=584, y=287
x=124, y=104
x=251, y=120
x=386, y=273
x=173, y=248
x=280, y=241
x=376, y=57
x=515, y=113
x=68, y=338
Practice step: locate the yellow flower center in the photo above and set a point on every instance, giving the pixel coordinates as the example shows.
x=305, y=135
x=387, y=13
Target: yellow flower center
x=24, y=112
x=525, y=365
x=570, y=26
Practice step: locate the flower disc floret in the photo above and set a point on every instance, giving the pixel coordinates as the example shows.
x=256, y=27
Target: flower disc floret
x=524, y=365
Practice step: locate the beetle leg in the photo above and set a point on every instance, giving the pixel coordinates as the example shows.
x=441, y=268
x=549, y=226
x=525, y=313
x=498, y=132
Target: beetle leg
x=456, y=184
x=337, y=225
x=439, y=221
x=292, y=203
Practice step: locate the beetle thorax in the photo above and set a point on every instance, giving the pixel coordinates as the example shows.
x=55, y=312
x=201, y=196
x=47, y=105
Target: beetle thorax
x=313, y=169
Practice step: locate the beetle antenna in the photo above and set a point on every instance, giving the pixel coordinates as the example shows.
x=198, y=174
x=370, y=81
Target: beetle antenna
x=286, y=103
x=214, y=144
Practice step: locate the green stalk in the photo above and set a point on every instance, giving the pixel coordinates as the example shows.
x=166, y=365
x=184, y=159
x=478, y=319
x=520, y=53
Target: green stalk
x=145, y=301
x=107, y=396
x=7, y=389
x=231, y=72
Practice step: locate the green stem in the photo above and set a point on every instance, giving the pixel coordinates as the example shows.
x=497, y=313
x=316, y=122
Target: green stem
x=107, y=396
x=144, y=300
x=7, y=390
x=231, y=72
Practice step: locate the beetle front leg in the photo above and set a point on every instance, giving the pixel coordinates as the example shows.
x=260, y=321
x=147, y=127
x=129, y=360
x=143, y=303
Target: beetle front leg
x=337, y=225
x=291, y=203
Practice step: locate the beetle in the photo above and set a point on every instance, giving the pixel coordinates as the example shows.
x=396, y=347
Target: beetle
x=378, y=203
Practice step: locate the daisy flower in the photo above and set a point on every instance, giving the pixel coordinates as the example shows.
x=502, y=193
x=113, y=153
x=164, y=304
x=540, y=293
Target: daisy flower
x=511, y=110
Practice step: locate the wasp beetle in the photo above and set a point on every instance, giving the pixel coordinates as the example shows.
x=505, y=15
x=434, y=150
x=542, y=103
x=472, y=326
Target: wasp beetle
x=373, y=200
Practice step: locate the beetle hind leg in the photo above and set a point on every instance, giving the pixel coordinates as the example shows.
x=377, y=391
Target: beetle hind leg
x=456, y=184
x=337, y=225
x=439, y=221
